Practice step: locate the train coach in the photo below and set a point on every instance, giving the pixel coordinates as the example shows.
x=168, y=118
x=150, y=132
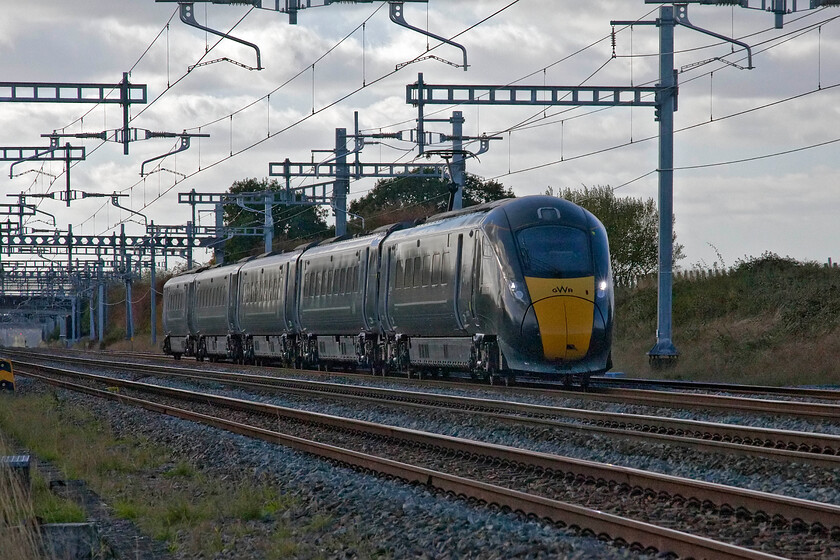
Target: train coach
x=513, y=287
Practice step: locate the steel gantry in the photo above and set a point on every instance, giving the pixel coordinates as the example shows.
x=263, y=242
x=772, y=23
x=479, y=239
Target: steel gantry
x=54, y=92
x=340, y=171
x=93, y=259
x=67, y=154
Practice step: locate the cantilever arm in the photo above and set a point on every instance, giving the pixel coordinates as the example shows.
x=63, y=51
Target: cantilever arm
x=185, y=144
x=31, y=158
x=398, y=18
x=188, y=17
x=682, y=19
x=115, y=200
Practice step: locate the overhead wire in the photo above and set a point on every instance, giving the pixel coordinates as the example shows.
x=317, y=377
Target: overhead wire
x=333, y=103
x=773, y=43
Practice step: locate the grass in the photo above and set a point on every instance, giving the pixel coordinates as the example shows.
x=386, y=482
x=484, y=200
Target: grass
x=50, y=508
x=771, y=320
x=196, y=513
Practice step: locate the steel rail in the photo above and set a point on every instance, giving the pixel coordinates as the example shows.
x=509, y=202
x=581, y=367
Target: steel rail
x=635, y=534
x=789, y=508
x=811, y=448
x=827, y=394
x=659, y=399
x=672, y=399
x=793, y=392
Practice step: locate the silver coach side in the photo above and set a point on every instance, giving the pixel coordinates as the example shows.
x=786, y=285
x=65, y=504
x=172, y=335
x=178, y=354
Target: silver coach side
x=337, y=299
x=178, y=305
x=427, y=284
x=216, y=296
x=267, y=310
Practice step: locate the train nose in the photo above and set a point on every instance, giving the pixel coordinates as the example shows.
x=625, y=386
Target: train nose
x=564, y=312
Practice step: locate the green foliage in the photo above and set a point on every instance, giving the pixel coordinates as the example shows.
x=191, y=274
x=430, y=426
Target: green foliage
x=406, y=198
x=760, y=323
x=292, y=224
x=632, y=227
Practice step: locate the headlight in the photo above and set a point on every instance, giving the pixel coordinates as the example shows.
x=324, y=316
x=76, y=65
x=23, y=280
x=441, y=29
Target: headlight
x=516, y=290
x=602, y=288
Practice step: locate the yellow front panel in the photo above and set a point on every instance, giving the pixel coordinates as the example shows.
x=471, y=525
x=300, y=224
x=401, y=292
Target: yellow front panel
x=564, y=309
x=7, y=376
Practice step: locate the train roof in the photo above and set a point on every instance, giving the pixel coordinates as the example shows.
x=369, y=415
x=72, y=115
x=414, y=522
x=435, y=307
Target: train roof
x=271, y=259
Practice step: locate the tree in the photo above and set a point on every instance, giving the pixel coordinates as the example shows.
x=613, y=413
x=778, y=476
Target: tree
x=632, y=226
x=293, y=224
x=408, y=198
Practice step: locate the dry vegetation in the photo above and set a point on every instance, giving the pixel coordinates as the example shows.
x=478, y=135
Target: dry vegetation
x=19, y=535
x=771, y=320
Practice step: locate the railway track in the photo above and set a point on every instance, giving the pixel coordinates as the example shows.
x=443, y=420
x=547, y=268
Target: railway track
x=533, y=483
x=734, y=388
x=655, y=393
x=784, y=445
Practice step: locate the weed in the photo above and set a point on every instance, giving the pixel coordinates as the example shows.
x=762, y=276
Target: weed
x=181, y=469
x=127, y=509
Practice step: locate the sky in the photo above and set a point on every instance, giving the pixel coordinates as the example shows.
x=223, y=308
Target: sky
x=755, y=152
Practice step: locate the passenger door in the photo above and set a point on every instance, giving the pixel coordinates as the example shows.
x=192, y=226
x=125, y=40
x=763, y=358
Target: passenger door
x=465, y=280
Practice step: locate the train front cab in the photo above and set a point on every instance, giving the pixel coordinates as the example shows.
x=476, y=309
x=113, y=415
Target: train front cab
x=7, y=375
x=565, y=320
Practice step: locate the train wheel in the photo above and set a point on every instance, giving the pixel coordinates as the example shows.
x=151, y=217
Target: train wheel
x=584, y=382
x=176, y=356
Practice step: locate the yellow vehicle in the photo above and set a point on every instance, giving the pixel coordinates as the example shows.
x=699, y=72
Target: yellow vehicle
x=7, y=375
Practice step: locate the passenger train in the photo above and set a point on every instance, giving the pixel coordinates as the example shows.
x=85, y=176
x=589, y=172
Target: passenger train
x=513, y=287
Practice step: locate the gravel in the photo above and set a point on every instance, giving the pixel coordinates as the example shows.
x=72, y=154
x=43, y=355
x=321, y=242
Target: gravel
x=779, y=477
x=387, y=519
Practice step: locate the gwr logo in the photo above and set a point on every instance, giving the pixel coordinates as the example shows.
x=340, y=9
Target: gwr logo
x=562, y=290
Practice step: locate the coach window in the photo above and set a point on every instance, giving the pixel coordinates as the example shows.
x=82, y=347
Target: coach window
x=418, y=271
x=409, y=272
x=444, y=268
x=427, y=270
x=435, y=269
x=398, y=277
